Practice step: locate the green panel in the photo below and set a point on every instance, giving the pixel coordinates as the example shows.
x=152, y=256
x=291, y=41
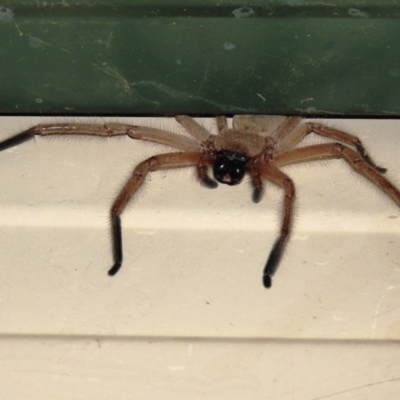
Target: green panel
x=200, y=57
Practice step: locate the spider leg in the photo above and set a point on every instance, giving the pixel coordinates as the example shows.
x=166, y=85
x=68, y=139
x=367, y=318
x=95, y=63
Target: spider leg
x=16, y=140
x=222, y=124
x=106, y=130
x=257, y=184
x=201, y=134
x=162, y=161
x=205, y=180
x=64, y=129
x=288, y=138
x=288, y=127
x=196, y=130
x=163, y=137
x=338, y=150
x=344, y=137
x=278, y=177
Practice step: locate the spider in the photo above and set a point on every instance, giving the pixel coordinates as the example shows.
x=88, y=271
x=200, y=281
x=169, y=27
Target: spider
x=256, y=145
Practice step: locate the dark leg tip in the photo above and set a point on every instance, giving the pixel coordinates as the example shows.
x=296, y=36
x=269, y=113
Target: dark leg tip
x=115, y=268
x=205, y=180
x=17, y=139
x=381, y=170
x=209, y=183
x=267, y=281
x=257, y=195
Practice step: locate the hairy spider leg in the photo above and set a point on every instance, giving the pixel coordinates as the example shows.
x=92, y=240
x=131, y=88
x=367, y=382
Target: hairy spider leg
x=310, y=153
x=206, y=138
x=162, y=161
x=338, y=150
x=344, y=137
x=63, y=130
x=172, y=160
x=288, y=139
x=273, y=174
x=256, y=182
x=193, y=128
x=222, y=124
x=106, y=130
x=290, y=128
x=202, y=173
x=163, y=137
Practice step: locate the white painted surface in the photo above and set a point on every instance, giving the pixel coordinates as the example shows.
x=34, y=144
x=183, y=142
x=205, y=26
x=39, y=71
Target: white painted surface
x=187, y=316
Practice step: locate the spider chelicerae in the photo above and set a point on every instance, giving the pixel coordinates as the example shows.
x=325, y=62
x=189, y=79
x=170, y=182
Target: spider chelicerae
x=256, y=145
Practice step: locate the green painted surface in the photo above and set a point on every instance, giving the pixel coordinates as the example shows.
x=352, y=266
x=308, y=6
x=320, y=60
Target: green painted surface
x=200, y=57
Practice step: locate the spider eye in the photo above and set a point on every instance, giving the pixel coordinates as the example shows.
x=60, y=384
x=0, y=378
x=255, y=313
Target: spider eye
x=229, y=167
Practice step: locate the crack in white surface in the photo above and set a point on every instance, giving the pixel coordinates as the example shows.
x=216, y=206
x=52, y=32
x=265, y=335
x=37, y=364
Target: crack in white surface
x=375, y=320
x=356, y=388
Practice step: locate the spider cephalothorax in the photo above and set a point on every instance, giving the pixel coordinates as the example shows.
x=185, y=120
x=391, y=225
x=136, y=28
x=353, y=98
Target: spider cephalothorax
x=255, y=145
